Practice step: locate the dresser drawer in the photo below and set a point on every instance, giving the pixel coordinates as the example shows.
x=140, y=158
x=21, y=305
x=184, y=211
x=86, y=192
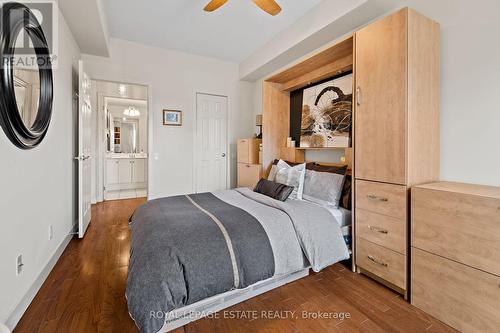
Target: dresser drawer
x=386, y=199
x=462, y=227
x=460, y=296
x=384, y=263
x=383, y=230
x=249, y=174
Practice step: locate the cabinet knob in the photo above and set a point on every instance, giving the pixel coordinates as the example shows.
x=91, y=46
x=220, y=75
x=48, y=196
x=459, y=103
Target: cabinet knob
x=223, y=155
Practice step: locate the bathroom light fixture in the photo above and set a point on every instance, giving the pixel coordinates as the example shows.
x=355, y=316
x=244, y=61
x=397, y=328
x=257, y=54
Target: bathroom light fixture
x=132, y=112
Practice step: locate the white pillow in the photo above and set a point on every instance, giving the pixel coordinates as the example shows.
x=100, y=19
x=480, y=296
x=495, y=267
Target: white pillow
x=291, y=176
x=272, y=173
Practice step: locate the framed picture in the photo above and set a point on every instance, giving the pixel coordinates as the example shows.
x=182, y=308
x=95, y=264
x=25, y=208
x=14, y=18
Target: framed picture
x=327, y=113
x=172, y=118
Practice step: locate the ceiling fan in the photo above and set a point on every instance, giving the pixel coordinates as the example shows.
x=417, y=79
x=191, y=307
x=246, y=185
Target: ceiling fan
x=269, y=6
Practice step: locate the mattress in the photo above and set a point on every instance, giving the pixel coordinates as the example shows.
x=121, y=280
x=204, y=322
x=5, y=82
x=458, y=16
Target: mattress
x=342, y=215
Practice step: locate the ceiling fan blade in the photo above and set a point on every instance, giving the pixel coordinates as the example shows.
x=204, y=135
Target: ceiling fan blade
x=269, y=6
x=214, y=4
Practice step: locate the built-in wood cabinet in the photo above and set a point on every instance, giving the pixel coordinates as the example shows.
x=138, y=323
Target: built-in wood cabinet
x=249, y=170
x=395, y=65
x=381, y=91
x=396, y=135
x=455, y=254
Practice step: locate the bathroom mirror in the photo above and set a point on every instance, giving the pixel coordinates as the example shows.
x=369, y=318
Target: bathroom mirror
x=26, y=88
x=126, y=121
x=126, y=136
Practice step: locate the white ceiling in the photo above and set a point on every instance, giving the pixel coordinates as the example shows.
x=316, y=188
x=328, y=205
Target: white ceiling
x=231, y=33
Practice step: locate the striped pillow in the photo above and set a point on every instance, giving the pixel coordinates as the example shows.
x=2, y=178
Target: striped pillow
x=291, y=176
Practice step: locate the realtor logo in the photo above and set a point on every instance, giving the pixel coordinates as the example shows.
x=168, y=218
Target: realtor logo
x=18, y=23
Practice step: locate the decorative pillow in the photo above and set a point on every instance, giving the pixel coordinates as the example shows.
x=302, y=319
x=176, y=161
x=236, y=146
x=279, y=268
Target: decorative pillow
x=341, y=170
x=323, y=188
x=274, y=190
x=291, y=176
x=272, y=173
x=345, y=200
x=274, y=169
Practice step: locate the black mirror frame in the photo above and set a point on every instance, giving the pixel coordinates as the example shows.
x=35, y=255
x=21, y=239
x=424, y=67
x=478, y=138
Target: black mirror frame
x=15, y=18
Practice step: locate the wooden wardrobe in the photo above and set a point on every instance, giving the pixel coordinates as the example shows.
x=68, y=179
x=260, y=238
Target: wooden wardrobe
x=395, y=65
x=396, y=136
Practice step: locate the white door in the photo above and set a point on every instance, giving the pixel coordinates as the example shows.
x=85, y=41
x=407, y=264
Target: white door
x=211, y=143
x=84, y=146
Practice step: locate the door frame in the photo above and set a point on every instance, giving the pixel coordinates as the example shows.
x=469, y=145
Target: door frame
x=196, y=148
x=150, y=121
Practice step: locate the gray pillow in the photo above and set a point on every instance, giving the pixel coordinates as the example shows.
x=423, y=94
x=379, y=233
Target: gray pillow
x=323, y=188
x=274, y=190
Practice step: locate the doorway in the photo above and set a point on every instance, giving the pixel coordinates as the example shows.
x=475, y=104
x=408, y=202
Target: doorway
x=121, y=140
x=211, y=142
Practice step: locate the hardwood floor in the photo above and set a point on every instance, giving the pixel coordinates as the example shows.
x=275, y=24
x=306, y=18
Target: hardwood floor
x=85, y=293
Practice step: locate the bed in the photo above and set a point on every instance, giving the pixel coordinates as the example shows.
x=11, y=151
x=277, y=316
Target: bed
x=192, y=255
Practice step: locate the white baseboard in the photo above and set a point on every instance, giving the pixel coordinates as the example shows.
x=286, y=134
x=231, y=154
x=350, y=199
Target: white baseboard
x=22, y=306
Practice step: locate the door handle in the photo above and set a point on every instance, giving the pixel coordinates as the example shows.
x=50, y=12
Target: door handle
x=358, y=96
x=82, y=158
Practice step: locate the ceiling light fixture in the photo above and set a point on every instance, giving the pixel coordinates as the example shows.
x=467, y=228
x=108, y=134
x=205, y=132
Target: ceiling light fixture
x=132, y=112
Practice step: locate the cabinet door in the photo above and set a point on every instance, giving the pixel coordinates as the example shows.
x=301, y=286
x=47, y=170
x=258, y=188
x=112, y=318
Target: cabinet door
x=249, y=174
x=243, y=151
x=112, y=171
x=380, y=114
x=139, y=171
x=125, y=171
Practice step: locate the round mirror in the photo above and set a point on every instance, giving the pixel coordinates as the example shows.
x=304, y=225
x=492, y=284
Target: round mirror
x=26, y=89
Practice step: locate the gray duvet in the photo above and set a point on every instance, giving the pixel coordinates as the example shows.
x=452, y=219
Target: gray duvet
x=187, y=248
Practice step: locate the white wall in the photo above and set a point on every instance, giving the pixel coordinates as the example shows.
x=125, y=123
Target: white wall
x=470, y=84
x=174, y=78
x=37, y=187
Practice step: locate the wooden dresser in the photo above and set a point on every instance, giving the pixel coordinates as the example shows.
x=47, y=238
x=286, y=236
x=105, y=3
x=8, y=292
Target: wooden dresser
x=396, y=137
x=456, y=254
x=249, y=170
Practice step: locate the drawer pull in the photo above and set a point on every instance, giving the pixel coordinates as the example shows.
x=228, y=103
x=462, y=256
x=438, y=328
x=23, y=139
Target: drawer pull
x=381, y=263
x=378, y=229
x=248, y=166
x=374, y=197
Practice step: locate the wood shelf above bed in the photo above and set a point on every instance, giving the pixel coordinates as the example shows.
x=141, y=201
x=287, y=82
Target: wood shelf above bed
x=331, y=61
